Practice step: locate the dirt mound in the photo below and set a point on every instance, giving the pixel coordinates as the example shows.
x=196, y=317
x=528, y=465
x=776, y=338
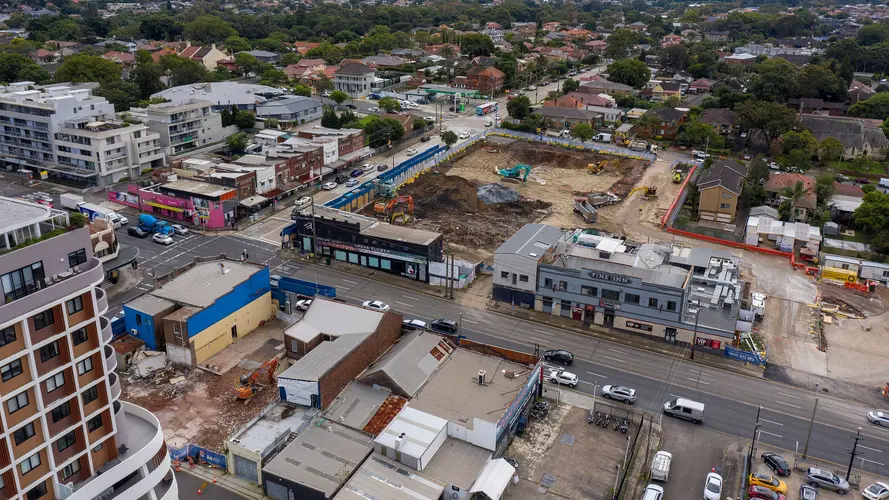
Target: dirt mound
x=491, y=194
x=434, y=191
x=537, y=155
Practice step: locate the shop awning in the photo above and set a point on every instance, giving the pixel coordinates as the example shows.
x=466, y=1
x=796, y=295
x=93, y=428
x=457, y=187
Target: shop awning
x=253, y=201
x=162, y=206
x=494, y=479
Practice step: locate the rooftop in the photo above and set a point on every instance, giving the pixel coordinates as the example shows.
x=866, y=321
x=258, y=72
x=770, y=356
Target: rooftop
x=324, y=357
x=532, y=240
x=457, y=462
x=150, y=305
x=220, y=93
x=15, y=214
x=666, y=275
x=196, y=187
x=287, y=105
x=400, y=233
x=409, y=363
x=203, y=284
x=356, y=405
x=454, y=393
x=322, y=457
x=382, y=478
x=419, y=430
x=281, y=419
x=333, y=318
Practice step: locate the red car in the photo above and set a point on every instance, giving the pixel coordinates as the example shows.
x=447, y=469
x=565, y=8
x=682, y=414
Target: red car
x=764, y=493
x=862, y=180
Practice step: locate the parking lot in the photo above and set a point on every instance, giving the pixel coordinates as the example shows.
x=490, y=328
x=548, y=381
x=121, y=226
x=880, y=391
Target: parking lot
x=797, y=478
x=696, y=451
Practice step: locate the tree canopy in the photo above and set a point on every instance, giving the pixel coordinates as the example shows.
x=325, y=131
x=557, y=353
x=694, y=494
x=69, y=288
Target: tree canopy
x=632, y=72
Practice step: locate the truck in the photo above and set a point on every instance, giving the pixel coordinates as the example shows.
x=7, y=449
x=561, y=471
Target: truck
x=93, y=211
x=758, y=303
x=558, y=133
x=638, y=145
x=71, y=201
x=151, y=224
x=660, y=466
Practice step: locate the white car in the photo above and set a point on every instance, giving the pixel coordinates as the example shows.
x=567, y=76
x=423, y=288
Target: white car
x=373, y=109
x=713, y=487
x=619, y=393
x=700, y=154
x=367, y=167
x=329, y=186
x=878, y=417
x=303, y=305
x=430, y=119
x=876, y=491
x=532, y=88
x=464, y=135
x=653, y=492
x=302, y=202
x=411, y=151
x=178, y=228
x=375, y=305
x=162, y=238
x=774, y=166
x=562, y=377
x=326, y=93
x=413, y=324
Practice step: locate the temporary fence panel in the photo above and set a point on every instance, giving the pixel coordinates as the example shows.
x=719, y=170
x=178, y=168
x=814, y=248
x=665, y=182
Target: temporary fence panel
x=202, y=454
x=305, y=287
x=749, y=357
x=570, y=143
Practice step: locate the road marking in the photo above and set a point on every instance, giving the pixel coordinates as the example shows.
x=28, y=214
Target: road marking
x=404, y=304
x=537, y=339
x=470, y=321
x=543, y=332
x=616, y=350
x=699, y=381
x=771, y=434
x=866, y=460
x=352, y=282
x=867, y=448
x=409, y=297
x=775, y=423
x=790, y=405
x=585, y=382
x=614, y=359
x=789, y=395
x=597, y=375
x=675, y=395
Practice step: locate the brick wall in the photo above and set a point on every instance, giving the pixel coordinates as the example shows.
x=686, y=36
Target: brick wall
x=333, y=382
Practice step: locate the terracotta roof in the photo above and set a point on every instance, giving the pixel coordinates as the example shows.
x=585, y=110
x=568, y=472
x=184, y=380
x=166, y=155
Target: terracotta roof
x=304, y=63
x=156, y=56
x=848, y=190
x=778, y=182
x=45, y=53
x=123, y=57
x=189, y=51
x=387, y=412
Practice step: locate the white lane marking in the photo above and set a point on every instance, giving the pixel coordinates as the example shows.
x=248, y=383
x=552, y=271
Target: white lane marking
x=543, y=332
x=771, y=434
x=788, y=404
x=602, y=376
x=776, y=423
x=614, y=359
x=585, y=382
x=866, y=460
x=699, y=381
x=352, y=282
x=616, y=350
x=789, y=395
x=675, y=395
x=470, y=321
x=404, y=304
x=345, y=288
x=409, y=297
x=537, y=339
x=867, y=448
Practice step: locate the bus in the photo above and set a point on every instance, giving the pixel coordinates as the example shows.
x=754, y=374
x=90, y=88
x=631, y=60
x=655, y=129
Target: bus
x=484, y=109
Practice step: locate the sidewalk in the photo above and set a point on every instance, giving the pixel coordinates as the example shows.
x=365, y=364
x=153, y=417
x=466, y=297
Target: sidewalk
x=223, y=479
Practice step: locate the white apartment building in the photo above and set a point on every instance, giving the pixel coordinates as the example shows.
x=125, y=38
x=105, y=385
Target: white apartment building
x=355, y=79
x=72, y=134
x=185, y=125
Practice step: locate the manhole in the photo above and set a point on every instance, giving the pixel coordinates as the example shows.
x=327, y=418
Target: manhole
x=548, y=480
x=567, y=439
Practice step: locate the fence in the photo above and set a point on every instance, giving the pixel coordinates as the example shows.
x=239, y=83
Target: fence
x=569, y=143
x=200, y=455
x=630, y=455
x=748, y=357
x=676, y=207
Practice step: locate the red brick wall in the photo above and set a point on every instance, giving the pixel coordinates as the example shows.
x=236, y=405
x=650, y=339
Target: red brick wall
x=387, y=333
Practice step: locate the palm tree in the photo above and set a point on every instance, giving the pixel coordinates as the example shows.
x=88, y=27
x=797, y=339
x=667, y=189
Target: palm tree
x=794, y=194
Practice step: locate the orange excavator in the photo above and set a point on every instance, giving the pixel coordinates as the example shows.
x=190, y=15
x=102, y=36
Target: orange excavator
x=248, y=387
x=383, y=209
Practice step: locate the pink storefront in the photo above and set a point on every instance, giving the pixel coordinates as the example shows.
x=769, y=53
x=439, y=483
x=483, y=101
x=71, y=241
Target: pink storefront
x=193, y=202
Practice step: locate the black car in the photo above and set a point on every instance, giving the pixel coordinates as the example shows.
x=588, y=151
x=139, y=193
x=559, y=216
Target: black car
x=382, y=167
x=445, y=325
x=341, y=179
x=425, y=138
x=137, y=232
x=351, y=106
x=776, y=463
x=559, y=356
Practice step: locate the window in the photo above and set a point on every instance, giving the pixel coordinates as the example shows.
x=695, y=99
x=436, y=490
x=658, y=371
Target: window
x=671, y=306
x=66, y=441
x=43, y=319
x=652, y=302
x=37, y=491
x=30, y=463
x=138, y=319
x=11, y=370
x=610, y=294
x=71, y=469
x=24, y=434
x=94, y=423
x=79, y=336
x=523, y=278
x=61, y=411
x=548, y=282
x=7, y=335
x=74, y=305
x=76, y=258
x=84, y=366
x=49, y=351
x=725, y=206
x=566, y=306
x=588, y=290
x=563, y=285
x=504, y=274
x=22, y=282
x=97, y=447
x=54, y=382
x=90, y=395
x=631, y=298
x=17, y=402
x=547, y=301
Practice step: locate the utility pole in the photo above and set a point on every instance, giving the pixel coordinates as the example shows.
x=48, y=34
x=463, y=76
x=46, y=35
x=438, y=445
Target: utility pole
x=853, y=451
x=314, y=232
x=809, y=435
x=755, y=433
x=694, y=341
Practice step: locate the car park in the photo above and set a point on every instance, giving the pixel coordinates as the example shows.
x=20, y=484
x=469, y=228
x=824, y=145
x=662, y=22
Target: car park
x=768, y=481
x=764, y=493
x=653, y=492
x=137, y=232
x=162, y=239
x=411, y=151
x=329, y=186
x=445, y=325
x=562, y=356
x=562, y=377
x=303, y=305
x=777, y=463
x=619, y=393
x=876, y=491
x=413, y=324
x=713, y=486
x=375, y=305
x=352, y=183
x=822, y=478
x=179, y=229
x=357, y=172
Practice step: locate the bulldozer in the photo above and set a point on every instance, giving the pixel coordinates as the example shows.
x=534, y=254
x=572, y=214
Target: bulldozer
x=248, y=386
x=647, y=191
x=596, y=168
x=518, y=173
x=388, y=210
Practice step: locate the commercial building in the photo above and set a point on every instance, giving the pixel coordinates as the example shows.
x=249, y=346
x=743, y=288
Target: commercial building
x=380, y=477
x=198, y=203
x=365, y=241
x=65, y=433
x=214, y=303
x=244, y=96
x=185, y=125
x=513, y=260
x=348, y=140
x=290, y=110
x=72, y=134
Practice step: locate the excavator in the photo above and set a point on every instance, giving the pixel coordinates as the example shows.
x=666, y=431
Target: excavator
x=387, y=210
x=517, y=173
x=248, y=387
x=648, y=191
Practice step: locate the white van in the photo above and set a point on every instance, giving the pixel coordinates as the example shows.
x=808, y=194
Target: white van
x=660, y=466
x=602, y=137
x=685, y=408
x=884, y=182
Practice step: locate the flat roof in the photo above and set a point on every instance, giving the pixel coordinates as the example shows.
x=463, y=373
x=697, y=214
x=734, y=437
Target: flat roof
x=149, y=304
x=457, y=462
x=196, y=187
x=333, y=318
x=382, y=478
x=665, y=275
x=283, y=418
x=201, y=285
x=356, y=405
x=454, y=393
x=418, y=428
x=16, y=214
x=322, y=457
x=532, y=240
x=401, y=233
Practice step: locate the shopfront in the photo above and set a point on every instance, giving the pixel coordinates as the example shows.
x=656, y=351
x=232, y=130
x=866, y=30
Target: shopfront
x=409, y=266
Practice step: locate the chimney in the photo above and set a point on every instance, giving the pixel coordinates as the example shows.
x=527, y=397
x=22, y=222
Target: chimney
x=398, y=441
x=481, y=377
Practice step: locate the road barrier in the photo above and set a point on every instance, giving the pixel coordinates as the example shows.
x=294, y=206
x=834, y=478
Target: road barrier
x=200, y=455
x=676, y=206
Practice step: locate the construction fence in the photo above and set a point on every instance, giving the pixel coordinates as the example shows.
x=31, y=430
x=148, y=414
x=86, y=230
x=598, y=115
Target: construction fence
x=572, y=144
x=199, y=455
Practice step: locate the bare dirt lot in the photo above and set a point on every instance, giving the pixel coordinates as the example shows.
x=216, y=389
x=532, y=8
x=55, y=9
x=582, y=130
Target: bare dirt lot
x=856, y=347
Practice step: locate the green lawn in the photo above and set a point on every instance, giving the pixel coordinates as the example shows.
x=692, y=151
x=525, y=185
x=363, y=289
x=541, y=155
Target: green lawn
x=865, y=167
x=367, y=119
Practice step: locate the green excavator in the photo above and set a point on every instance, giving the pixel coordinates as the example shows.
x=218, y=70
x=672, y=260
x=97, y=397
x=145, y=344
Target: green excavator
x=519, y=172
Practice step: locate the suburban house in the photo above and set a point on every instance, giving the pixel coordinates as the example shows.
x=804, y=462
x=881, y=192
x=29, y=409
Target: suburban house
x=777, y=183
x=263, y=56
x=605, y=87
x=720, y=187
x=741, y=59
x=666, y=90
x=860, y=136
x=487, y=80
x=844, y=201
x=121, y=58
x=721, y=119
x=579, y=100
x=596, y=47
x=859, y=92
x=669, y=120
x=304, y=47
x=811, y=105
x=638, y=27
x=671, y=39
x=355, y=79
x=700, y=86
x=208, y=56
x=568, y=117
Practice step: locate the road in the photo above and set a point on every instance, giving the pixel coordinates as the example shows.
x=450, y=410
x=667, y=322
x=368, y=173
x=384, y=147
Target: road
x=731, y=399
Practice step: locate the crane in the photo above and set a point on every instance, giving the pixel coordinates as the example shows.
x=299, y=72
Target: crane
x=247, y=389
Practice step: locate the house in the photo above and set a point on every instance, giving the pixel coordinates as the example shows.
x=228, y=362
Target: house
x=208, y=56
x=596, y=47
x=122, y=58
x=638, y=27
x=777, y=183
x=290, y=110
x=263, y=56
x=720, y=187
x=568, y=117
x=860, y=136
x=844, y=201
x=355, y=79
x=683, y=77
x=495, y=35
x=487, y=80
x=669, y=120
x=743, y=59
x=43, y=56
x=579, y=100
x=700, y=86
x=384, y=61
x=859, y=91
x=670, y=40
x=721, y=119
x=158, y=54
x=811, y=105
x=523, y=250
x=304, y=47
x=665, y=90
x=716, y=36
x=605, y=87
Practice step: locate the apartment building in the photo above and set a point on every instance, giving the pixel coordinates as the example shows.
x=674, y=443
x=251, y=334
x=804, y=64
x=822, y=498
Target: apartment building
x=64, y=432
x=185, y=125
x=72, y=134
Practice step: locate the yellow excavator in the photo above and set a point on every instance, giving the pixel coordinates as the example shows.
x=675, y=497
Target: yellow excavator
x=677, y=177
x=647, y=191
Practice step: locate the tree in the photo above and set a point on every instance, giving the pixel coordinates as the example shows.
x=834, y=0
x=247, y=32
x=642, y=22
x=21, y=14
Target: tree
x=247, y=63
x=519, y=108
x=819, y=82
x=290, y=58
x=226, y=117
x=873, y=213
x=146, y=75
x=300, y=89
x=875, y=107
x=86, y=68
x=846, y=71
x=476, y=44
x=236, y=44
x=389, y=104
x=632, y=72
x=771, y=118
x=674, y=57
x=582, y=132
x=274, y=77
x=159, y=27
x=830, y=150
x=449, y=138
x=570, y=85
x=323, y=83
x=122, y=94
x=796, y=160
x=619, y=44
x=803, y=141
x=329, y=119
x=824, y=188
x=696, y=133
x=775, y=80
x=795, y=192
x=18, y=68
x=245, y=119
x=271, y=123
x=183, y=71
x=872, y=34
x=338, y=96
x=236, y=143
x=382, y=132
x=208, y=29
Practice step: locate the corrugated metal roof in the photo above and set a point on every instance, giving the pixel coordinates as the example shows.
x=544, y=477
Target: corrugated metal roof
x=382, y=478
x=419, y=428
x=150, y=305
x=412, y=360
x=399, y=233
x=333, y=318
x=531, y=238
x=321, y=359
x=201, y=285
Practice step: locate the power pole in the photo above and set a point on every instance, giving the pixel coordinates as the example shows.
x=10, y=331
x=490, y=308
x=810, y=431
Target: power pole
x=853, y=453
x=314, y=232
x=694, y=340
x=809, y=435
x=755, y=433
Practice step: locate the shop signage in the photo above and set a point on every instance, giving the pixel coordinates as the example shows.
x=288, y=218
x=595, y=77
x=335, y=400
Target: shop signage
x=596, y=275
x=608, y=305
x=372, y=251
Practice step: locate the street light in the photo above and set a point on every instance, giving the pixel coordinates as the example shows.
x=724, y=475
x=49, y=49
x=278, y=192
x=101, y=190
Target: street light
x=853, y=451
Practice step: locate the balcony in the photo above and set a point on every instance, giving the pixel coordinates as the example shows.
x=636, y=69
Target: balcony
x=110, y=358
x=101, y=300
x=91, y=275
x=114, y=379
x=105, y=324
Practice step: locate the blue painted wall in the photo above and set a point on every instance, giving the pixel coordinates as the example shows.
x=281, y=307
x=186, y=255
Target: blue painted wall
x=254, y=287
x=145, y=330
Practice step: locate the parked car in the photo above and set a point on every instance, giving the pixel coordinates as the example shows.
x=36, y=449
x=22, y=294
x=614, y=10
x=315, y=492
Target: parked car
x=373, y=109
x=777, y=463
x=562, y=377
x=367, y=167
x=357, y=172
x=341, y=179
x=562, y=356
x=701, y=155
x=303, y=305
x=806, y=492
x=329, y=186
x=179, y=229
x=876, y=491
x=162, y=239
x=137, y=232
x=413, y=324
x=352, y=183
x=445, y=325
x=464, y=135
x=862, y=180
x=302, y=202
x=375, y=305
x=326, y=93
x=351, y=106
x=764, y=493
x=411, y=151
x=774, y=166
x=619, y=393
x=842, y=178
x=768, y=481
x=430, y=119
x=382, y=167
x=821, y=478
x=532, y=88
x=653, y=492
x=425, y=138
x=713, y=486
x=45, y=203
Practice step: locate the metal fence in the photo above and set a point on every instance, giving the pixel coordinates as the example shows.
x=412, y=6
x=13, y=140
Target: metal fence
x=570, y=143
x=632, y=452
x=200, y=455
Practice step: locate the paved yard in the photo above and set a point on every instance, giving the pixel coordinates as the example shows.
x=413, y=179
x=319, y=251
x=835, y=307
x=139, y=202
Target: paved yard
x=696, y=450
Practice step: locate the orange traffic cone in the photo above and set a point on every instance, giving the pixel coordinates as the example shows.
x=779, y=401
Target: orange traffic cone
x=214, y=480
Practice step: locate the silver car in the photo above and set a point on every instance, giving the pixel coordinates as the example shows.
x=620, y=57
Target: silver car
x=821, y=478
x=878, y=417
x=619, y=393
